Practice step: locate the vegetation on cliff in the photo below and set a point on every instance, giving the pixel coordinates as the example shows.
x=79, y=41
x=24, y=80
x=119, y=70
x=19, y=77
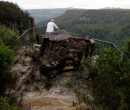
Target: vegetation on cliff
x=14, y=18
x=109, y=78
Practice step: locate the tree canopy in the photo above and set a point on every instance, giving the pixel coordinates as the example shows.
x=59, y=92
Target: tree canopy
x=13, y=17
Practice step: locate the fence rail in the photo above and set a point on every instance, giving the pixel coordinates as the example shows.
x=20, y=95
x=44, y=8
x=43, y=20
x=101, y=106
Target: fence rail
x=101, y=44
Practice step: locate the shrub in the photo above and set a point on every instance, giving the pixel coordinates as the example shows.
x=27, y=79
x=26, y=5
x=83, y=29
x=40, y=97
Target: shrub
x=4, y=105
x=110, y=81
x=8, y=37
x=32, y=52
x=6, y=58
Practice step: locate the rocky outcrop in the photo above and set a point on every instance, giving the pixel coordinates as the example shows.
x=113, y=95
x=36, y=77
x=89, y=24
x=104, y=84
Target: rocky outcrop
x=31, y=90
x=60, y=49
x=49, y=59
x=26, y=72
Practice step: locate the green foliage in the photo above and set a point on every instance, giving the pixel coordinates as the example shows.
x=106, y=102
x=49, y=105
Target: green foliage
x=4, y=105
x=110, y=81
x=33, y=53
x=8, y=37
x=69, y=82
x=13, y=17
x=6, y=58
x=47, y=83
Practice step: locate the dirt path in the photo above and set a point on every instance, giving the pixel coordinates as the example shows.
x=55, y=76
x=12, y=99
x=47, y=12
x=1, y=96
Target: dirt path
x=58, y=97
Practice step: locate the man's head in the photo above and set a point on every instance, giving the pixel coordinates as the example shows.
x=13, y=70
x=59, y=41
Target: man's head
x=52, y=20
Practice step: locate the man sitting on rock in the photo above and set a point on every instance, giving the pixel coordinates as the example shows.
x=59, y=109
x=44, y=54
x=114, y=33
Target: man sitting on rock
x=51, y=26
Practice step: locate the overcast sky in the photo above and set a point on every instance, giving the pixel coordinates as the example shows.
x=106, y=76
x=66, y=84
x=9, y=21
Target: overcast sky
x=85, y=4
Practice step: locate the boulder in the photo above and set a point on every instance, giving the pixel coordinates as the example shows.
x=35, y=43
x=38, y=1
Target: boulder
x=60, y=49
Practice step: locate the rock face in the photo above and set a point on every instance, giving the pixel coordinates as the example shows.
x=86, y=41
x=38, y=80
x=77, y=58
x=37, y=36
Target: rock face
x=31, y=92
x=61, y=49
x=26, y=73
x=54, y=56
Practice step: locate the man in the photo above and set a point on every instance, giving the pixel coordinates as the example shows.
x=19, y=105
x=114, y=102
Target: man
x=51, y=26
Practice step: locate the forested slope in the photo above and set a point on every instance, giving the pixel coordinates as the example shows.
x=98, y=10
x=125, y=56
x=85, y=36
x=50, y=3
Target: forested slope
x=106, y=24
x=45, y=14
x=14, y=17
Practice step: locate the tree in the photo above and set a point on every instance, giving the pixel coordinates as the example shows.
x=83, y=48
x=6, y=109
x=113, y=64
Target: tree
x=8, y=37
x=13, y=17
x=110, y=81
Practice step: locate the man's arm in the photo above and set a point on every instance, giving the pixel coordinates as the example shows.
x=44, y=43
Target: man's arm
x=56, y=26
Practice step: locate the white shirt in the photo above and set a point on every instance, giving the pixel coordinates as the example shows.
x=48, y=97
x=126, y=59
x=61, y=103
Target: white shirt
x=92, y=41
x=51, y=26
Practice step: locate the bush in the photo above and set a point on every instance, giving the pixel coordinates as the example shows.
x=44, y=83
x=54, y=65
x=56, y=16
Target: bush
x=110, y=81
x=6, y=58
x=4, y=105
x=8, y=37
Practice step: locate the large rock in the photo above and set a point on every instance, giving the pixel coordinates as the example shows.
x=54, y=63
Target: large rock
x=60, y=49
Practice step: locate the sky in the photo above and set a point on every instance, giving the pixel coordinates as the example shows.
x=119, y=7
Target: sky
x=84, y=4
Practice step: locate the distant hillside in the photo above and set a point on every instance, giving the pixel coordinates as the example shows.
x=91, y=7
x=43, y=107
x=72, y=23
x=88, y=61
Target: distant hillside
x=45, y=14
x=107, y=24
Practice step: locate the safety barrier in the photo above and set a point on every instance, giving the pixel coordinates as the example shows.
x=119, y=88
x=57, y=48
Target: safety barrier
x=101, y=44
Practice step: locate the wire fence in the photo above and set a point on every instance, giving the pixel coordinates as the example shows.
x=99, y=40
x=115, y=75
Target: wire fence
x=32, y=35
x=101, y=44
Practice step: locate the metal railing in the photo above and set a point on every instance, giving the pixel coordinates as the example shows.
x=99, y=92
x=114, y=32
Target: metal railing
x=29, y=36
x=101, y=44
